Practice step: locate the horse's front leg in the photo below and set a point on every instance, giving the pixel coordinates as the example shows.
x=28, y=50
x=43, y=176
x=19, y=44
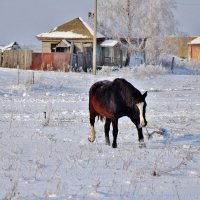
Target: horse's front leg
x=115, y=132
x=106, y=130
x=141, y=138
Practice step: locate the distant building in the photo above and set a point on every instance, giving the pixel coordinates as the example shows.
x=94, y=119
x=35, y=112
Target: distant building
x=194, y=49
x=180, y=45
x=77, y=32
x=11, y=46
x=75, y=36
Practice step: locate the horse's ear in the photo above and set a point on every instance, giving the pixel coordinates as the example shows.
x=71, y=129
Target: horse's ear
x=144, y=95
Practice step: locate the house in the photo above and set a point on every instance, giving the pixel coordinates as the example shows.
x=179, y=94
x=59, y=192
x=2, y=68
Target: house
x=11, y=46
x=76, y=37
x=194, y=50
x=77, y=32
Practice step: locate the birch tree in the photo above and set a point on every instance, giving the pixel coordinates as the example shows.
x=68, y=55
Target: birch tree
x=141, y=20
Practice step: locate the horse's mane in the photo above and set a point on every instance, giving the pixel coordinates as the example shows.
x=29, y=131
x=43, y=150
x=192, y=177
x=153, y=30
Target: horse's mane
x=127, y=89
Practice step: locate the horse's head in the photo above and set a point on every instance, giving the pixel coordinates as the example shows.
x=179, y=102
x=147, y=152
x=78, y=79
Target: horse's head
x=140, y=111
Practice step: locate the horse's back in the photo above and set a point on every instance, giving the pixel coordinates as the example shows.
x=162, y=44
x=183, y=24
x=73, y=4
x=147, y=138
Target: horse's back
x=97, y=86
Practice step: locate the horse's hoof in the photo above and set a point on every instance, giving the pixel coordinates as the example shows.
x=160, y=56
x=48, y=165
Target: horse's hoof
x=114, y=145
x=142, y=144
x=107, y=142
x=92, y=135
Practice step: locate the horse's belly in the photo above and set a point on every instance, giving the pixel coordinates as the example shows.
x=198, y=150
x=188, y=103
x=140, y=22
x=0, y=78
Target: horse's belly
x=102, y=111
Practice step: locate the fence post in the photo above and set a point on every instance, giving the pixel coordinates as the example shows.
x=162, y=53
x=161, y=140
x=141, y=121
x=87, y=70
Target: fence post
x=121, y=58
x=17, y=74
x=71, y=55
x=33, y=78
x=172, y=65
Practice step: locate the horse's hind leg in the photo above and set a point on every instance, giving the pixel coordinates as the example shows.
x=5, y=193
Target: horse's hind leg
x=115, y=132
x=92, y=134
x=107, y=129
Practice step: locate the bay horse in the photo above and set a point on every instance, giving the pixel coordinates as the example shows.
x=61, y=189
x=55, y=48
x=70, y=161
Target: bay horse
x=112, y=100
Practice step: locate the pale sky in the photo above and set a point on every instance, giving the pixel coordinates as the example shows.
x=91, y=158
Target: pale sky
x=22, y=20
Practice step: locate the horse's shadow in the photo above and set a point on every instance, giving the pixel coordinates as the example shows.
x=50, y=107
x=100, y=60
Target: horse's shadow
x=164, y=137
x=189, y=138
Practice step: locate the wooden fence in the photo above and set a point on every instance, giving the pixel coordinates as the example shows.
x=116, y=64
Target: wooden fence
x=50, y=61
x=81, y=61
x=57, y=61
x=17, y=58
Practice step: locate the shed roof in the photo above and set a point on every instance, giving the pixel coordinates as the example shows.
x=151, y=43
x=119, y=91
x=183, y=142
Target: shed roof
x=63, y=43
x=75, y=29
x=109, y=43
x=195, y=41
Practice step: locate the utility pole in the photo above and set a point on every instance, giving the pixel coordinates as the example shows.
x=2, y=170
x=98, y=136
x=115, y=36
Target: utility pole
x=95, y=38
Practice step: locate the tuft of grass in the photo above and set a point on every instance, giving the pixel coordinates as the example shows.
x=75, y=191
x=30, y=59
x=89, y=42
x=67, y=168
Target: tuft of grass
x=12, y=193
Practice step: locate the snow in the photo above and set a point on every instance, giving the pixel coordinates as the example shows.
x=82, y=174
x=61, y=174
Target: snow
x=109, y=43
x=195, y=41
x=69, y=34
x=59, y=34
x=52, y=158
x=87, y=26
x=90, y=28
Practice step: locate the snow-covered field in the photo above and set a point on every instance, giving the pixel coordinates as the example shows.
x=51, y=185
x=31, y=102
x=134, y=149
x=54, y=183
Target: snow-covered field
x=52, y=159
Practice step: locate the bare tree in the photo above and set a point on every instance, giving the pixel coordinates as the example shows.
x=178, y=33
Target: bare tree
x=160, y=23
x=133, y=22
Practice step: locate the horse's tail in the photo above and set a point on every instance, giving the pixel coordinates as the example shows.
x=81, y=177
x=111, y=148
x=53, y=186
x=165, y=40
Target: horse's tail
x=92, y=92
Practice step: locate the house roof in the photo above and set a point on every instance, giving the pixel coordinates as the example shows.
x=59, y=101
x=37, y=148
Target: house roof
x=75, y=29
x=13, y=45
x=109, y=43
x=195, y=41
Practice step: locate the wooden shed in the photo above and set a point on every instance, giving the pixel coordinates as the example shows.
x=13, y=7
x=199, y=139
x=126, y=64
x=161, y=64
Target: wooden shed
x=194, y=50
x=111, y=53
